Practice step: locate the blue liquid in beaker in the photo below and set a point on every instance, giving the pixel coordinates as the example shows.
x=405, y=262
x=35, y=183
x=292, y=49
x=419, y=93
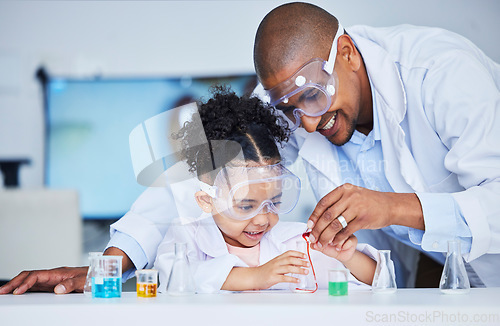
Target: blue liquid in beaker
x=107, y=287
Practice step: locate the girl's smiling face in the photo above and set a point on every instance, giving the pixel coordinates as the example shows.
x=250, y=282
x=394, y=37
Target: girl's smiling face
x=256, y=197
x=246, y=233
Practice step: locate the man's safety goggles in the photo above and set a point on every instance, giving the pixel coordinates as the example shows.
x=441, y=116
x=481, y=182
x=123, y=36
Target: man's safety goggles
x=243, y=192
x=310, y=90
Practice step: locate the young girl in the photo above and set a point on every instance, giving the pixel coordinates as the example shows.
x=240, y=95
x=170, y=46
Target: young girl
x=238, y=243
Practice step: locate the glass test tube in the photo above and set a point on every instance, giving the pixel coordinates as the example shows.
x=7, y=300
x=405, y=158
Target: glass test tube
x=107, y=277
x=337, y=281
x=147, y=283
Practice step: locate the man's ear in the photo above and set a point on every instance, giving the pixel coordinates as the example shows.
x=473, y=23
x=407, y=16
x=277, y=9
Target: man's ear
x=349, y=52
x=204, y=201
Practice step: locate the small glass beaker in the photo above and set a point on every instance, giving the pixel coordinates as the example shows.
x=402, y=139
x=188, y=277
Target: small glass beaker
x=87, y=288
x=147, y=282
x=337, y=281
x=107, y=277
x=454, y=279
x=181, y=280
x=307, y=283
x=384, y=280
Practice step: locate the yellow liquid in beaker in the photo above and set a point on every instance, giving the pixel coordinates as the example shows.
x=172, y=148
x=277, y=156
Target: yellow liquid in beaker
x=145, y=290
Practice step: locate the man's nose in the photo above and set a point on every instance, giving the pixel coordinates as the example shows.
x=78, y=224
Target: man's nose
x=309, y=123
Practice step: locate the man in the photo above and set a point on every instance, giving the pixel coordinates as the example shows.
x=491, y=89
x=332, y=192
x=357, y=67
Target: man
x=399, y=132
x=421, y=105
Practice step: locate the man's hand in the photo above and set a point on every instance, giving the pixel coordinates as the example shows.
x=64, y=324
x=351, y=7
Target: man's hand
x=61, y=280
x=275, y=270
x=362, y=209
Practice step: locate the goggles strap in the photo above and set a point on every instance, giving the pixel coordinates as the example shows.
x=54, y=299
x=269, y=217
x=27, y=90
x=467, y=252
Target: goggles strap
x=333, y=51
x=210, y=190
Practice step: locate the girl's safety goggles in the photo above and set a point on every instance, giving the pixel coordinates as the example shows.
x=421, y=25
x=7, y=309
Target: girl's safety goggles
x=243, y=192
x=310, y=90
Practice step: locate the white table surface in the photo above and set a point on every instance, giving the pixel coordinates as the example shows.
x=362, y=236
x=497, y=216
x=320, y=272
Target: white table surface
x=405, y=307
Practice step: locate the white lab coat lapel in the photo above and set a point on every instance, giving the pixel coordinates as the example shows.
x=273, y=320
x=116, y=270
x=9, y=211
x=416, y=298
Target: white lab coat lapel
x=209, y=238
x=401, y=169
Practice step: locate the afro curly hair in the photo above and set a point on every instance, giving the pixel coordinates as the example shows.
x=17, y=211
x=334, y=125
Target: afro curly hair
x=245, y=120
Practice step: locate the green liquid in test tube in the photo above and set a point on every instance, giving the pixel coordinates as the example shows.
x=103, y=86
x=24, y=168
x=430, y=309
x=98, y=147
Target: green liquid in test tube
x=337, y=281
x=337, y=288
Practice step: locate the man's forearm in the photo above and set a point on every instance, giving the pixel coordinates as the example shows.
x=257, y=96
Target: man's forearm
x=126, y=262
x=407, y=211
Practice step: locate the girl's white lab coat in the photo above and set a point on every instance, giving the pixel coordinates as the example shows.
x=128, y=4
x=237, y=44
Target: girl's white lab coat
x=439, y=111
x=211, y=262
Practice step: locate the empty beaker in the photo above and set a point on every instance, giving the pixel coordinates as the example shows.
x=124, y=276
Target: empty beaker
x=87, y=288
x=147, y=282
x=384, y=280
x=337, y=281
x=307, y=283
x=454, y=279
x=107, y=277
x=181, y=280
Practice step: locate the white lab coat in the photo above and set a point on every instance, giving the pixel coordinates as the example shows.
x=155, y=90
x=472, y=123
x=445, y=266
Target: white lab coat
x=439, y=111
x=211, y=263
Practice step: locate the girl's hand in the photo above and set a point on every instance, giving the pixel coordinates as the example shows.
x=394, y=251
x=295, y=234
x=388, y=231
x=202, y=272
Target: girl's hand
x=342, y=252
x=273, y=272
